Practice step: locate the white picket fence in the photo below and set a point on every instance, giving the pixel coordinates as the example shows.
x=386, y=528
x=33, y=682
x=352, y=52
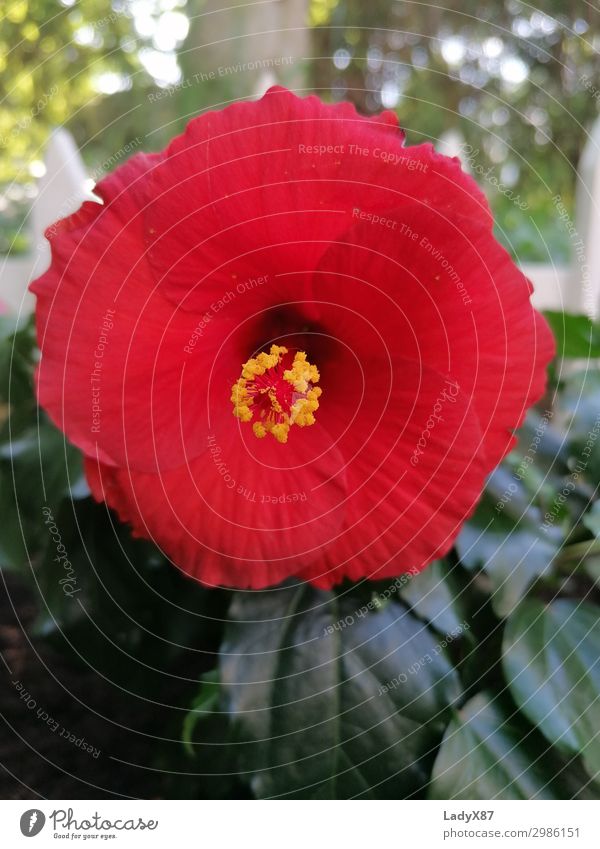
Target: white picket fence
x=574, y=288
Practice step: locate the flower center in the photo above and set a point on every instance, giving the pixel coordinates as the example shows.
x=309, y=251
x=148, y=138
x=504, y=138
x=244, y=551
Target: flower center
x=274, y=397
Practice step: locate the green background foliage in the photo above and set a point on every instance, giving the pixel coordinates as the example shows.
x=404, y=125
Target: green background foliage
x=478, y=678
x=521, y=86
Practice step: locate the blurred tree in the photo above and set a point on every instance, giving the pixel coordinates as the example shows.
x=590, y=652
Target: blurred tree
x=235, y=51
x=57, y=57
x=520, y=85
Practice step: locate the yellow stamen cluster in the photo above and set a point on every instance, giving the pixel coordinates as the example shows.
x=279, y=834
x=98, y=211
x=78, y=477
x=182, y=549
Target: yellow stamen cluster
x=257, y=387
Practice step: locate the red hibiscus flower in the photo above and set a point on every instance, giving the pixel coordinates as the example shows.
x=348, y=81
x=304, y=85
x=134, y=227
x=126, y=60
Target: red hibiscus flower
x=288, y=345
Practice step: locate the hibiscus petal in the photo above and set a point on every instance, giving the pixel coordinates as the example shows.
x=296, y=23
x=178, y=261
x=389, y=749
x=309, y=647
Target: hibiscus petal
x=239, y=514
x=260, y=189
x=115, y=374
x=413, y=481
x=451, y=298
x=293, y=222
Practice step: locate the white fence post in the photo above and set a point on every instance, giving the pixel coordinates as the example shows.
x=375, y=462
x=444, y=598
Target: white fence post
x=575, y=287
x=588, y=222
x=62, y=189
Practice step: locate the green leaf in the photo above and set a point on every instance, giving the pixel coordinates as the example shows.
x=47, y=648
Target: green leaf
x=37, y=471
x=576, y=336
x=592, y=519
x=487, y=753
x=581, y=558
x=207, y=736
x=552, y=665
x=431, y=596
x=333, y=702
x=10, y=325
x=13, y=554
x=45, y=464
x=515, y=564
x=512, y=561
x=17, y=353
x=204, y=706
x=116, y=605
x=591, y=566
